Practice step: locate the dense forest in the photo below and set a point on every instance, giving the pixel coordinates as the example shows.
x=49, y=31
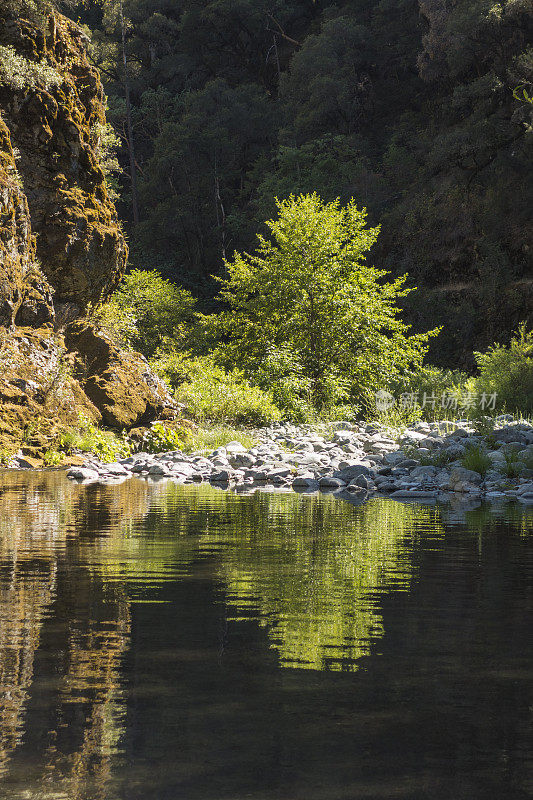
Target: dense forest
x=415, y=108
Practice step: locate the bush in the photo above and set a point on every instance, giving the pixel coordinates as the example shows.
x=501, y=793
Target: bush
x=431, y=388
x=88, y=438
x=211, y=394
x=507, y=372
x=161, y=438
x=19, y=73
x=148, y=311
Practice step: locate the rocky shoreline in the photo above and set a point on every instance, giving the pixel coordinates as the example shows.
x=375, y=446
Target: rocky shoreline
x=422, y=463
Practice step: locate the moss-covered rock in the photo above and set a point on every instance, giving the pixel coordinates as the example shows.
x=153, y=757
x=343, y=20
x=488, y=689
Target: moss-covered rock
x=119, y=382
x=39, y=396
x=80, y=244
x=61, y=247
x=25, y=295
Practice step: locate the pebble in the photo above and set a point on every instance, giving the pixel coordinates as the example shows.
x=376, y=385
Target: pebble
x=360, y=458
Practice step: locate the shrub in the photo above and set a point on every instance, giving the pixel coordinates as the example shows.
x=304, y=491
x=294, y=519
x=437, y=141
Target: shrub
x=477, y=459
x=105, y=145
x=431, y=388
x=19, y=73
x=211, y=394
x=508, y=373
x=147, y=311
x=162, y=437
x=88, y=438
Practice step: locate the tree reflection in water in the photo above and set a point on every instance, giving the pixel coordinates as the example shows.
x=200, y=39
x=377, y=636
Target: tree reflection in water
x=311, y=571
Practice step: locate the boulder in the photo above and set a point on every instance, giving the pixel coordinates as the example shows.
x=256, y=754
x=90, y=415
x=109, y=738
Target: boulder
x=464, y=476
x=118, y=382
x=349, y=473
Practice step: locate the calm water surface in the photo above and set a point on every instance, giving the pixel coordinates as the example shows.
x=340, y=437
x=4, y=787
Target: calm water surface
x=165, y=642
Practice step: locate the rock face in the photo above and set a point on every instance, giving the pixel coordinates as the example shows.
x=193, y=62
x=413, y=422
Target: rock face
x=38, y=394
x=56, y=130
x=25, y=296
x=61, y=245
x=120, y=383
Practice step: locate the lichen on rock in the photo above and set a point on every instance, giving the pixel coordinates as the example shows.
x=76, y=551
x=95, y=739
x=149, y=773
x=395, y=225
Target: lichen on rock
x=25, y=295
x=119, y=382
x=61, y=246
x=39, y=396
x=80, y=244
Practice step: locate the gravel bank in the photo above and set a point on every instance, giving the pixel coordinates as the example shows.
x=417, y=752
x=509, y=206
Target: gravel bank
x=422, y=463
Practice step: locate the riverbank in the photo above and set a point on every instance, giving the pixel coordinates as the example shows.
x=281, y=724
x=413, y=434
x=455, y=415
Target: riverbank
x=425, y=462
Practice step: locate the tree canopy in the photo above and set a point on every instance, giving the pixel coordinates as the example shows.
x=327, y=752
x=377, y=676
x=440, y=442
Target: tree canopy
x=307, y=291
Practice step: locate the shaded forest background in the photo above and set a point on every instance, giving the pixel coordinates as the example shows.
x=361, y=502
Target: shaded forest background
x=409, y=106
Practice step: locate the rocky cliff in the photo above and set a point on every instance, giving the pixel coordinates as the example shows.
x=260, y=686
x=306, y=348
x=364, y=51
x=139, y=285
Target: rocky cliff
x=55, y=130
x=61, y=244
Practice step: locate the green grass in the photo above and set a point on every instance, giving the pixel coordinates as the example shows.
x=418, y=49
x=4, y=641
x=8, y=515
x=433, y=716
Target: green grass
x=163, y=437
x=437, y=459
x=216, y=436
x=477, y=459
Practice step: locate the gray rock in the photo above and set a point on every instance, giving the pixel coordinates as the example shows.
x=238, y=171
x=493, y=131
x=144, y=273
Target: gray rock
x=305, y=482
x=115, y=469
x=412, y=493
x=349, y=473
x=331, y=483
x=221, y=477
x=82, y=473
x=424, y=472
x=463, y=475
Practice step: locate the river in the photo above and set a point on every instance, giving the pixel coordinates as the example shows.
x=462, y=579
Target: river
x=165, y=642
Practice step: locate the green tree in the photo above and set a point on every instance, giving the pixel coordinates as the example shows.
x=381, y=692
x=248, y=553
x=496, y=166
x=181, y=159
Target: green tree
x=308, y=288
x=156, y=311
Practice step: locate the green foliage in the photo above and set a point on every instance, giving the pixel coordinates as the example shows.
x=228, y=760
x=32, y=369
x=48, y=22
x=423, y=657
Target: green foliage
x=53, y=457
x=19, y=73
x=116, y=320
x=484, y=426
x=162, y=437
x=148, y=310
x=440, y=458
x=89, y=438
x=507, y=371
x=527, y=460
x=476, y=458
x=512, y=465
x=215, y=436
x=405, y=106
x=211, y=394
x=307, y=299
x=105, y=144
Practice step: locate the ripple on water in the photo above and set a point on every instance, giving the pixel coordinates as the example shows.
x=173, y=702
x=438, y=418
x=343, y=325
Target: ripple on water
x=162, y=641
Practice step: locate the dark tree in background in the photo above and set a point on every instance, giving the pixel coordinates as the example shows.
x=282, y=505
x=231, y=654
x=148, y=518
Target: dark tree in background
x=405, y=105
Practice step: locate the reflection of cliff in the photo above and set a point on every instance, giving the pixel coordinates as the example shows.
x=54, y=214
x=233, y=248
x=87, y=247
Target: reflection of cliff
x=48, y=595
x=25, y=594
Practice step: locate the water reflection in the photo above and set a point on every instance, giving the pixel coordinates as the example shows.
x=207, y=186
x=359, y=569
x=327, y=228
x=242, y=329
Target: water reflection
x=144, y=625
